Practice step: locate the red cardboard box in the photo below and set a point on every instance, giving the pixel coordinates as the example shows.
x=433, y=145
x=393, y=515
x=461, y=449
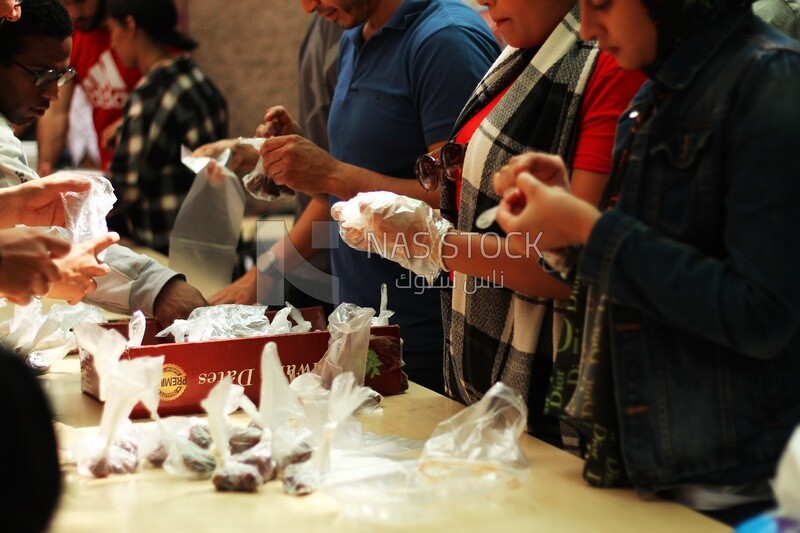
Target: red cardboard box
x=192, y=369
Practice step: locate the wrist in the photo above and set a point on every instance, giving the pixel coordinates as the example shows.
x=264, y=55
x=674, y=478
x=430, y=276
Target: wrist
x=268, y=264
x=588, y=219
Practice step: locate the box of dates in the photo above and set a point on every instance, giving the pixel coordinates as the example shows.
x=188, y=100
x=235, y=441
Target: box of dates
x=191, y=369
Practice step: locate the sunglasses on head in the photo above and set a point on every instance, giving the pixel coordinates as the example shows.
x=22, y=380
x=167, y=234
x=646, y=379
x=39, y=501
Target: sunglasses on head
x=43, y=78
x=446, y=161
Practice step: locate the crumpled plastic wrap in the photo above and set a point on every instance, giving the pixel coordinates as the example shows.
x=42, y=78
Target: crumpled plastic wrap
x=257, y=182
x=399, y=228
x=471, y=459
x=44, y=339
x=228, y=322
x=86, y=211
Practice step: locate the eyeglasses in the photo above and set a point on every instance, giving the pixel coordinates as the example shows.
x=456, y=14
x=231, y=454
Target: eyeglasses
x=43, y=78
x=447, y=160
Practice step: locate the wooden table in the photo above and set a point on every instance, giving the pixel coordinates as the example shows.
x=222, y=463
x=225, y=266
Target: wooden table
x=555, y=499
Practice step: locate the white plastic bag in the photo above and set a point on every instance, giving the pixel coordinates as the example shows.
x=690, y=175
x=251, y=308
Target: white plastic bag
x=206, y=232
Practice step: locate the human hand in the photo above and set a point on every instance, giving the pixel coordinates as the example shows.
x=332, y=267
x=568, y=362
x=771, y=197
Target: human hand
x=45, y=168
x=549, y=169
x=242, y=291
x=399, y=228
x=109, y=137
x=533, y=212
x=176, y=300
x=278, y=121
x=38, y=202
x=299, y=164
x=27, y=266
x=243, y=157
x=79, y=268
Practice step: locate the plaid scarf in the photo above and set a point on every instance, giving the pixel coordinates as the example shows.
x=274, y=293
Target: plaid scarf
x=495, y=334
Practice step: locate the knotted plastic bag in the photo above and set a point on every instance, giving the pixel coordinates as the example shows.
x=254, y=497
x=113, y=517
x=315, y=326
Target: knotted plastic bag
x=257, y=182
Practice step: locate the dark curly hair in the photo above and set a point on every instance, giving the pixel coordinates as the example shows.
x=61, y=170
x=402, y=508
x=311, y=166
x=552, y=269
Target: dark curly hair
x=40, y=18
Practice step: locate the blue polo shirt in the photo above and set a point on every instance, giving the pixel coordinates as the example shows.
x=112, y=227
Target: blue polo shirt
x=398, y=93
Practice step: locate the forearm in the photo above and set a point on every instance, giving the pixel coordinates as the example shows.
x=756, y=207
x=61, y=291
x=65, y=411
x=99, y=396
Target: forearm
x=297, y=246
x=133, y=283
x=490, y=257
x=349, y=180
x=51, y=133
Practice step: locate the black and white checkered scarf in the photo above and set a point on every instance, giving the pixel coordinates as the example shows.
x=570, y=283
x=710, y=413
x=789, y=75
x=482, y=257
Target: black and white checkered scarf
x=495, y=334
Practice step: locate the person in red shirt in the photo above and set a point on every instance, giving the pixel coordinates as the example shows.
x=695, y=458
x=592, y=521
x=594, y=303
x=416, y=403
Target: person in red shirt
x=106, y=81
x=547, y=92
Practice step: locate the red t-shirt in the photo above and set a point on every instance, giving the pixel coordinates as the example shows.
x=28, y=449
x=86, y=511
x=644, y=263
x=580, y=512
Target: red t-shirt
x=106, y=81
x=608, y=92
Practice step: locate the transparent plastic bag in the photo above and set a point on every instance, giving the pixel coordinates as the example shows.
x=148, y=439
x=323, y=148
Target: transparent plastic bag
x=481, y=442
x=258, y=183
x=229, y=474
x=86, y=211
x=348, y=346
x=114, y=449
x=136, y=327
x=473, y=458
x=383, y=313
x=206, y=230
x=104, y=347
x=401, y=229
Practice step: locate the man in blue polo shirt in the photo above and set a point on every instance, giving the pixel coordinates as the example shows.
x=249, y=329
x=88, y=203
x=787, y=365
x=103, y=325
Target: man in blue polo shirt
x=406, y=68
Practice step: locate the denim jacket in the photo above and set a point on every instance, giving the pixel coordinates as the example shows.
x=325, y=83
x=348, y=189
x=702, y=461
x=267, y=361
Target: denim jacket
x=701, y=261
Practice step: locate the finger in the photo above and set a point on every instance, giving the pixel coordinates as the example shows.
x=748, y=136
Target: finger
x=93, y=271
x=56, y=246
x=274, y=112
x=218, y=298
x=273, y=144
x=98, y=244
x=503, y=180
x=19, y=299
x=40, y=286
x=61, y=185
x=92, y=286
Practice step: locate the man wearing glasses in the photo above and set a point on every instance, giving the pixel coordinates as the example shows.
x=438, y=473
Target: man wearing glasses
x=34, y=63
x=106, y=81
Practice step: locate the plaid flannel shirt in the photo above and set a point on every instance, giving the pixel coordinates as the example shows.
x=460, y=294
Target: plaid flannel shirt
x=172, y=105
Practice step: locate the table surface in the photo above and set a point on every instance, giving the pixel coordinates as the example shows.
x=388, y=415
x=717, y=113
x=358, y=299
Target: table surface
x=555, y=497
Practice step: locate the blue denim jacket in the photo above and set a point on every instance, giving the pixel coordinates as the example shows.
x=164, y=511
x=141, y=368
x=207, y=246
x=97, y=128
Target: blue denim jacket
x=701, y=261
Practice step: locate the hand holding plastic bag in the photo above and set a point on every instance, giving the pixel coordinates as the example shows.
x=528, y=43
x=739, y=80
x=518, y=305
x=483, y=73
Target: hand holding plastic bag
x=257, y=182
x=85, y=212
x=403, y=229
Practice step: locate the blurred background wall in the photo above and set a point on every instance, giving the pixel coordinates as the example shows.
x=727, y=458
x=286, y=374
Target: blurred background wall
x=249, y=49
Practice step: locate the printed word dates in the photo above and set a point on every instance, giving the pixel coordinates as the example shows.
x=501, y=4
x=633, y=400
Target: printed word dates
x=245, y=377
